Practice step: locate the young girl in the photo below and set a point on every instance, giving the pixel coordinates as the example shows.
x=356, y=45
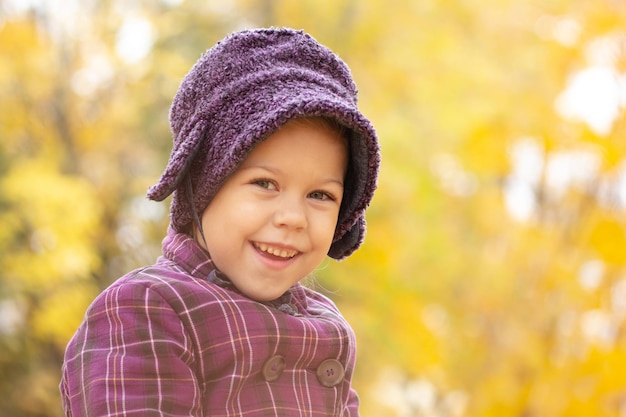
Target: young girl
x=272, y=169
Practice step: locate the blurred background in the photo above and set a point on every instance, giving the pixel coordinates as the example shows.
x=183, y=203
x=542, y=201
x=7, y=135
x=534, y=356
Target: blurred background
x=493, y=278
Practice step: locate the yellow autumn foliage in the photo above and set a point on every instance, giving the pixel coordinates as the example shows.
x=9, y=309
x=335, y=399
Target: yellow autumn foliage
x=492, y=281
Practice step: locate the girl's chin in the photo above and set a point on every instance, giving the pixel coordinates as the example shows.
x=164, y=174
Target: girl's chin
x=261, y=296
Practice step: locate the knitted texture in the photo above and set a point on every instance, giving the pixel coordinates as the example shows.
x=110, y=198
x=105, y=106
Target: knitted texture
x=240, y=92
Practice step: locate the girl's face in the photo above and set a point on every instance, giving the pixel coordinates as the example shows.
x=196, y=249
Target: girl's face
x=272, y=222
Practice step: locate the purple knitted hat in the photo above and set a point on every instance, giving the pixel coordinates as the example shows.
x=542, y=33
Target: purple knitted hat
x=240, y=92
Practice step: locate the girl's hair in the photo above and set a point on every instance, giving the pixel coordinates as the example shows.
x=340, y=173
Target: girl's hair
x=326, y=122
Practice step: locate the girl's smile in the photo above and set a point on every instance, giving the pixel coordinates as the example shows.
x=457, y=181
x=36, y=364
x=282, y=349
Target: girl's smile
x=275, y=258
x=272, y=222
x=278, y=251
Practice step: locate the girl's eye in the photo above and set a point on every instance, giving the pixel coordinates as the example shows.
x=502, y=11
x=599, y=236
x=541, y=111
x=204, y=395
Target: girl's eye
x=265, y=183
x=322, y=195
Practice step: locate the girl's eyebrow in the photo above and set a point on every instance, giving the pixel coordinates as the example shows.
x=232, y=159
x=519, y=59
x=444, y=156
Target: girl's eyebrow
x=333, y=181
x=277, y=171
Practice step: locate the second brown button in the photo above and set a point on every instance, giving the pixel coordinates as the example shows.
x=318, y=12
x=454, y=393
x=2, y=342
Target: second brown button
x=273, y=368
x=330, y=372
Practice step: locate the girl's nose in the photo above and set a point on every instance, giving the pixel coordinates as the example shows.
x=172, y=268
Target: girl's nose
x=291, y=212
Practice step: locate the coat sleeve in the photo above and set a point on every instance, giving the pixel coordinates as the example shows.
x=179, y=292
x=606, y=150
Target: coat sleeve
x=131, y=356
x=353, y=404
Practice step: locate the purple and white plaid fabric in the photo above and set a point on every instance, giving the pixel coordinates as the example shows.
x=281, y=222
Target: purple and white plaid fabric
x=166, y=341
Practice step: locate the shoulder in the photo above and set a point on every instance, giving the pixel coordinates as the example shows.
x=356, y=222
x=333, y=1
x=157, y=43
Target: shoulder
x=162, y=284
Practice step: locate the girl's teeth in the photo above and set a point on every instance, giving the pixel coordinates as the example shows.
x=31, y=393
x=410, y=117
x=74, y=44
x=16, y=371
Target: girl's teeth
x=276, y=252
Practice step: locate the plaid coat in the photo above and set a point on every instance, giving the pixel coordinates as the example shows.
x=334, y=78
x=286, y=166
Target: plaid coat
x=174, y=339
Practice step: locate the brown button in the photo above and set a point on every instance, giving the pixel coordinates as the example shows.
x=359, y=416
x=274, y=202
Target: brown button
x=330, y=372
x=273, y=368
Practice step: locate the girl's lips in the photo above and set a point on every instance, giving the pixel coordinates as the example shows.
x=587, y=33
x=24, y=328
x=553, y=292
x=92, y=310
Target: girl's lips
x=275, y=257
